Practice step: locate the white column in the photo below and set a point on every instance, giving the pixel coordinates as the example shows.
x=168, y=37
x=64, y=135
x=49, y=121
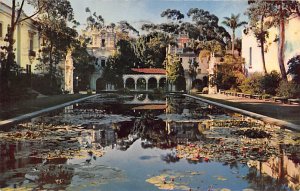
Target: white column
x=157, y=82
x=146, y=85
x=124, y=81
x=135, y=84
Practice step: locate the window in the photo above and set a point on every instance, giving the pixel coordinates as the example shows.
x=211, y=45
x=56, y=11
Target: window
x=103, y=43
x=1, y=33
x=28, y=69
x=250, y=57
x=184, y=45
x=8, y=28
x=31, y=43
x=181, y=60
x=102, y=63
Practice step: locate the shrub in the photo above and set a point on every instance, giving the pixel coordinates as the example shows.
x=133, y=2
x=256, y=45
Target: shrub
x=252, y=85
x=158, y=90
x=124, y=91
x=294, y=68
x=288, y=89
x=270, y=82
x=89, y=91
x=261, y=84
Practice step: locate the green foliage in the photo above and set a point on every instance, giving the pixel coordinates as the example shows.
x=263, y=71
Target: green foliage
x=82, y=61
x=41, y=83
x=126, y=54
x=126, y=27
x=229, y=74
x=124, y=91
x=58, y=38
x=114, y=70
x=261, y=84
x=175, y=72
x=158, y=90
x=270, y=82
x=233, y=23
x=172, y=14
x=294, y=68
x=288, y=89
x=193, y=69
x=151, y=50
x=94, y=20
x=252, y=84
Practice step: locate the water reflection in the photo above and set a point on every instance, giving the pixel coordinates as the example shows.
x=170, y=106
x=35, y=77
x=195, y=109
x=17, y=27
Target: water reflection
x=63, y=150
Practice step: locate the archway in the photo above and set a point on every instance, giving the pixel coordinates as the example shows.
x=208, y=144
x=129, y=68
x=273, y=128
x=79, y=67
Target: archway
x=141, y=84
x=197, y=83
x=152, y=83
x=162, y=83
x=129, y=83
x=100, y=84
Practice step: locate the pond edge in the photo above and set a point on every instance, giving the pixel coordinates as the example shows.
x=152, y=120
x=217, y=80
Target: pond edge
x=270, y=120
x=8, y=122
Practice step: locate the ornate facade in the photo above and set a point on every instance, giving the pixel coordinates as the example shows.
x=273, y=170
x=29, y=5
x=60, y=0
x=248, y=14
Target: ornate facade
x=103, y=44
x=187, y=56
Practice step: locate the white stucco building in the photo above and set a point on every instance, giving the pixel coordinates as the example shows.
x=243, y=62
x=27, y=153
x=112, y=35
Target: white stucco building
x=26, y=36
x=103, y=44
x=252, y=53
x=187, y=56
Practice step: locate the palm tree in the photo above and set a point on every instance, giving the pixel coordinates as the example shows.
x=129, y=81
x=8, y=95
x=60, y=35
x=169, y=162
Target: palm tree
x=233, y=23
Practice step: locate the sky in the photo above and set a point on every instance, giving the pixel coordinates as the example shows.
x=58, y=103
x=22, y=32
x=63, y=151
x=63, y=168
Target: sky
x=137, y=12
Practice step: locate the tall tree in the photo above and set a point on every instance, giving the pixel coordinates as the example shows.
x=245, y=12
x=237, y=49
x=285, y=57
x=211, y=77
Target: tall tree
x=175, y=72
x=233, y=22
x=124, y=26
x=94, y=21
x=17, y=17
x=208, y=26
x=150, y=49
x=257, y=12
x=280, y=11
x=58, y=37
x=82, y=62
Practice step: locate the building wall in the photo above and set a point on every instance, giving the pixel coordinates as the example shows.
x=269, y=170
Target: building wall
x=186, y=56
x=103, y=44
x=252, y=53
x=24, y=33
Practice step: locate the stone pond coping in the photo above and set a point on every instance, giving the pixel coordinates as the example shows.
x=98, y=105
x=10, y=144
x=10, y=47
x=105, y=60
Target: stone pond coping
x=264, y=118
x=285, y=124
x=21, y=118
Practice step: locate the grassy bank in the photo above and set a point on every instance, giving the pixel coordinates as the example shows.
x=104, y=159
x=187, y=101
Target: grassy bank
x=26, y=106
x=289, y=113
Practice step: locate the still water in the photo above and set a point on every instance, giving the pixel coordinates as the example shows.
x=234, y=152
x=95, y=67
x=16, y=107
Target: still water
x=145, y=142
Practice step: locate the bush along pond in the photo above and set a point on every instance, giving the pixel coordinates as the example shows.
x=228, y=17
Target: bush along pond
x=147, y=142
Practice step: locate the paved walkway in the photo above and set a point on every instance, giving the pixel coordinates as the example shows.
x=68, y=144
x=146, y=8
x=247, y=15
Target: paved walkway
x=8, y=122
x=286, y=112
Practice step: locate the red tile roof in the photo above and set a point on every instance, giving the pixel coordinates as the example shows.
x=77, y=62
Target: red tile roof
x=149, y=70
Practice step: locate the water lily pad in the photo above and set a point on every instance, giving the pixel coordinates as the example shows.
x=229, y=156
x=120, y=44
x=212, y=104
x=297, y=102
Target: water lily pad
x=221, y=178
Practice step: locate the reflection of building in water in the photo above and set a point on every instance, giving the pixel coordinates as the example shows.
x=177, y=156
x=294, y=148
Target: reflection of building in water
x=281, y=168
x=183, y=130
x=105, y=137
x=143, y=99
x=102, y=135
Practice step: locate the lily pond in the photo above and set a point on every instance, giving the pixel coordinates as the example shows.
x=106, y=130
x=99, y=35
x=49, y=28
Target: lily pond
x=145, y=142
